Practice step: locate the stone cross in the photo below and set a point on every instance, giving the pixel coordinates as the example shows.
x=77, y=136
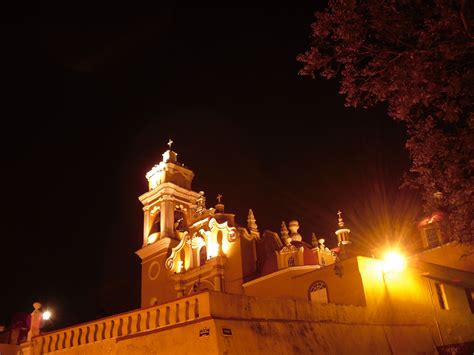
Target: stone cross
x=219, y=196
x=170, y=142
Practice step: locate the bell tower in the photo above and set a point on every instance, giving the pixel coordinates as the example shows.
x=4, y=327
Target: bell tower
x=167, y=208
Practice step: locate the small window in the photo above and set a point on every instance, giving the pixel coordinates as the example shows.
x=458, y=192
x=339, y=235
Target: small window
x=323, y=260
x=443, y=303
x=202, y=255
x=318, y=292
x=179, y=223
x=155, y=227
x=470, y=298
x=432, y=237
x=291, y=261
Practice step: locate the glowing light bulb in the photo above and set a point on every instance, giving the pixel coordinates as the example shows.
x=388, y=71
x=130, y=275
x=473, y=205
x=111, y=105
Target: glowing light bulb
x=46, y=315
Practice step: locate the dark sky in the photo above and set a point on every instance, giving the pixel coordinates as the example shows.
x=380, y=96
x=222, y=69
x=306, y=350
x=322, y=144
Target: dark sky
x=91, y=96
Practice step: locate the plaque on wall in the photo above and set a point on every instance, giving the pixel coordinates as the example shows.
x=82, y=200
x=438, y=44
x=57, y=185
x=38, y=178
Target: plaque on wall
x=204, y=332
x=226, y=331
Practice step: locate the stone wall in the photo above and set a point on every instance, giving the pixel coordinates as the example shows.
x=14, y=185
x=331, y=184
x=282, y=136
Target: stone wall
x=236, y=324
x=9, y=349
x=101, y=336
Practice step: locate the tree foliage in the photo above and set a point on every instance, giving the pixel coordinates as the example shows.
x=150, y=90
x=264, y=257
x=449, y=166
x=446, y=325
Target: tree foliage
x=417, y=56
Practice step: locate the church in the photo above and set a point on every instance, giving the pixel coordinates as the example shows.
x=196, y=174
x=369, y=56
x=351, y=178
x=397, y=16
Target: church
x=211, y=286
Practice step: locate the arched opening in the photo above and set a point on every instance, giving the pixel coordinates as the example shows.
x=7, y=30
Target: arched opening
x=291, y=261
x=219, y=242
x=155, y=229
x=182, y=260
x=202, y=255
x=196, y=308
x=318, y=292
x=179, y=221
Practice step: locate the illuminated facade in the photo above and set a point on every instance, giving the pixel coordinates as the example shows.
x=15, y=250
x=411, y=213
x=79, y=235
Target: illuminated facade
x=210, y=286
x=188, y=248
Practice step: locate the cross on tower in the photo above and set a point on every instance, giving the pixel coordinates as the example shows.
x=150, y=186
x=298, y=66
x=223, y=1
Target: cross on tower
x=219, y=196
x=170, y=142
x=340, y=221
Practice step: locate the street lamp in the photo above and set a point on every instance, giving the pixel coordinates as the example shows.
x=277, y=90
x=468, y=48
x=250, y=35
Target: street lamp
x=46, y=315
x=393, y=262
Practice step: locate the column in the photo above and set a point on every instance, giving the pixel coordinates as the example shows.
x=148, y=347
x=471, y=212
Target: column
x=167, y=217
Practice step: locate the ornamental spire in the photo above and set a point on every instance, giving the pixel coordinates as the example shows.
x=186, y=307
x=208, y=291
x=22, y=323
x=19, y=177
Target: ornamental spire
x=285, y=236
x=252, y=222
x=284, y=230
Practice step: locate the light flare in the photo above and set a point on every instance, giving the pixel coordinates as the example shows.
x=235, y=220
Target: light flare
x=393, y=261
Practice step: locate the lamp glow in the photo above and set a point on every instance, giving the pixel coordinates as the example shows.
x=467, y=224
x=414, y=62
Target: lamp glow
x=393, y=261
x=46, y=315
x=152, y=238
x=212, y=249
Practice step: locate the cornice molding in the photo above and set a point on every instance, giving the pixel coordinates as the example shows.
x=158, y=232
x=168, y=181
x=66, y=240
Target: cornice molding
x=168, y=188
x=154, y=248
x=282, y=271
x=213, y=266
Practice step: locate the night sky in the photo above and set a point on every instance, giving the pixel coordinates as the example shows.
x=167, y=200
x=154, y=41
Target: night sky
x=91, y=96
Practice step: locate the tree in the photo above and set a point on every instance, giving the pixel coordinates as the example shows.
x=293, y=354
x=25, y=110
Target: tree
x=416, y=56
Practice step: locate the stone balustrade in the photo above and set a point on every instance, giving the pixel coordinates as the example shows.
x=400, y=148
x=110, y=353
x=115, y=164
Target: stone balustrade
x=182, y=310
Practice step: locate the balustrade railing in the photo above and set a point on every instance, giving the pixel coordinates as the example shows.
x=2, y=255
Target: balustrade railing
x=141, y=320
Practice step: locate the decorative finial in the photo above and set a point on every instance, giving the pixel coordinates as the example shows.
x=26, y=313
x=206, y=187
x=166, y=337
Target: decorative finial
x=284, y=234
x=219, y=196
x=340, y=221
x=170, y=143
x=35, y=321
x=314, y=240
x=251, y=221
x=200, y=203
x=294, y=226
x=321, y=243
